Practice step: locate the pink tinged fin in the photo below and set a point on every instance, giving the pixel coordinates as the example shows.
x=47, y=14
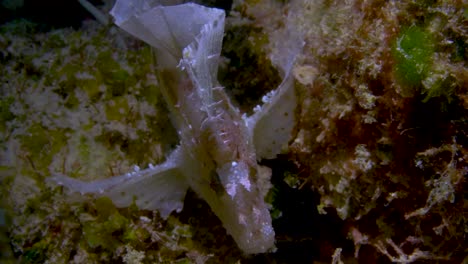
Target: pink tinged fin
x=160, y=187
x=272, y=125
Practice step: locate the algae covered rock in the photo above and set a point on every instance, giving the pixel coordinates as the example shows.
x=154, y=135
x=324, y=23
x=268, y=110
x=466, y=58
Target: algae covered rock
x=375, y=171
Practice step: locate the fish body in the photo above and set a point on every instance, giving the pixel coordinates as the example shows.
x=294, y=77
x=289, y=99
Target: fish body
x=219, y=146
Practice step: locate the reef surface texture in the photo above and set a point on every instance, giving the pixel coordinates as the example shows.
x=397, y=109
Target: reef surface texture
x=264, y=131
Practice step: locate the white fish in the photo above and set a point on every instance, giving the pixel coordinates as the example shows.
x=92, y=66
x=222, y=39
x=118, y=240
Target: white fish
x=219, y=148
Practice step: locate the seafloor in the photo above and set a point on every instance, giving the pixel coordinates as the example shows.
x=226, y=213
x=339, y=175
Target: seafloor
x=376, y=173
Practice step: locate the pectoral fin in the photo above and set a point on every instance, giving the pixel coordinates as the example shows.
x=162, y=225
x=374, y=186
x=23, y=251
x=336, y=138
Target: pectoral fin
x=161, y=187
x=272, y=126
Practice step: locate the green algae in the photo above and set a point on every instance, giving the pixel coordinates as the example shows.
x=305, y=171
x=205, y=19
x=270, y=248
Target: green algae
x=40, y=144
x=5, y=114
x=117, y=108
x=413, y=51
x=100, y=232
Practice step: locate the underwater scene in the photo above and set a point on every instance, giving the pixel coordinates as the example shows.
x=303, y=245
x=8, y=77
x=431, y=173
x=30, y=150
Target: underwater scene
x=233, y=131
